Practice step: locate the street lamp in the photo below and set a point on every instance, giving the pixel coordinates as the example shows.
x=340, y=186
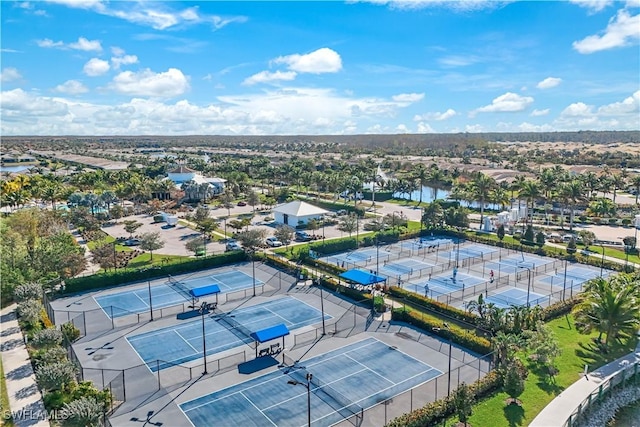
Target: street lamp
x=446, y=326
x=602, y=262
x=528, y=283
x=307, y=385
x=204, y=309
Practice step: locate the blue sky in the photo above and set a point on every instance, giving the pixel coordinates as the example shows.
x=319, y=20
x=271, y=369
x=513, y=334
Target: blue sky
x=91, y=67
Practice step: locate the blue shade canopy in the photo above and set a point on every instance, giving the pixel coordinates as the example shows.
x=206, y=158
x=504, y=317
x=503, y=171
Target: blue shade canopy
x=362, y=277
x=204, y=290
x=270, y=333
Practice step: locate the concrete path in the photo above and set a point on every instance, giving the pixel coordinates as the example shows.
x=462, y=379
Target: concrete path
x=25, y=399
x=556, y=413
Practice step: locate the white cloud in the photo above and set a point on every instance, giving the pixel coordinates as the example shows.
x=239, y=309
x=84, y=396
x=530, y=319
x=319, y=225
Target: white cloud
x=408, y=97
x=82, y=44
x=436, y=116
x=9, y=74
x=425, y=128
x=538, y=113
x=401, y=128
x=49, y=43
x=509, y=102
x=630, y=105
x=117, y=61
x=323, y=60
x=458, y=60
x=267, y=76
x=159, y=16
x=167, y=84
x=549, y=82
x=80, y=4
x=71, y=87
x=577, y=109
x=86, y=45
x=458, y=5
x=621, y=31
x=96, y=67
x=593, y=5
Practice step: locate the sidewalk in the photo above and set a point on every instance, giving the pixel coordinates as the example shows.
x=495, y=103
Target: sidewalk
x=560, y=408
x=25, y=399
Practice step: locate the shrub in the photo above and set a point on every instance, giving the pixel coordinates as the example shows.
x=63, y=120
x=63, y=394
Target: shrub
x=47, y=338
x=27, y=291
x=29, y=311
x=430, y=304
x=50, y=356
x=435, y=412
x=82, y=412
x=337, y=245
x=70, y=332
x=434, y=325
x=55, y=376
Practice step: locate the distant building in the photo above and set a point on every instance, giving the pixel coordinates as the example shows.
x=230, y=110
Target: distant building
x=189, y=179
x=297, y=212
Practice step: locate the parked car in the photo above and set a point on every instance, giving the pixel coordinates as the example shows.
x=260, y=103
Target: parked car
x=303, y=236
x=233, y=245
x=132, y=242
x=241, y=203
x=274, y=242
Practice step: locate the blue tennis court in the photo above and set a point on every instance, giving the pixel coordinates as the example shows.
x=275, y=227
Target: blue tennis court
x=560, y=281
x=477, y=251
x=403, y=266
x=525, y=261
x=360, y=257
x=466, y=253
x=183, y=343
x=344, y=382
x=165, y=295
x=515, y=297
x=585, y=273
x=440, y=285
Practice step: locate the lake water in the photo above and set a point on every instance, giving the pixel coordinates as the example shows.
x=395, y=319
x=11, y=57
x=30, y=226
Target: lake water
x=14, y=169
x=429, y=195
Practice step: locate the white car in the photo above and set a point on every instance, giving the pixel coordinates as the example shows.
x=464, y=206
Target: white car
x=274, y=242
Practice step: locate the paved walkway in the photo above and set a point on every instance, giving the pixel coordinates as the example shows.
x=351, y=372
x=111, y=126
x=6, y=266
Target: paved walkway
x=556, y=413
x=25, y=399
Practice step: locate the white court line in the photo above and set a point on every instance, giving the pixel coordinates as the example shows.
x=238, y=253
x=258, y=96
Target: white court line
x=143, y=301
x=367, y=368
x=261, y=384
x=187, y=342
x=253, y=404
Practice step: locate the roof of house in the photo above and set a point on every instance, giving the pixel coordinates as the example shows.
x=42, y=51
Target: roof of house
x=299, y=208
x=182, y=169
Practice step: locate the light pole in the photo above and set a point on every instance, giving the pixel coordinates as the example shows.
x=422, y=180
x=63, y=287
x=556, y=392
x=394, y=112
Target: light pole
x=528, y=283
x=602, y=261
x=445, y=325
x=150, y=302
x=308, y=387
x=204, y=309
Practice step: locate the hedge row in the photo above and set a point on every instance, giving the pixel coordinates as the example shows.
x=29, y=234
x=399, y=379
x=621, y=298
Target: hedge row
x=336, y=245
x=436, y=306
x=119, y=277
x=433, y=325
x=435, y=412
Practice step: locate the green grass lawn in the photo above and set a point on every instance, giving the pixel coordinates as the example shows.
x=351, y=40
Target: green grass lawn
x=5, y=410
x=577, y=350
x=144, y=260
x=108, y=240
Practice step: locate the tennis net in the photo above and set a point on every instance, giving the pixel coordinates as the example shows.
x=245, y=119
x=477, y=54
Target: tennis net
x=235, y=327
x=180, y=288
x=324, y=391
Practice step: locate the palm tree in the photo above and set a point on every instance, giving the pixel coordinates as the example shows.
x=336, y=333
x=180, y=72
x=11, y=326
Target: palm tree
x=617, y=181
x=481, y=186
x=610, y=306
x=635, y=181
x=530, y=190
x=591, y=182
x=420, y=174
x=572, y=193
